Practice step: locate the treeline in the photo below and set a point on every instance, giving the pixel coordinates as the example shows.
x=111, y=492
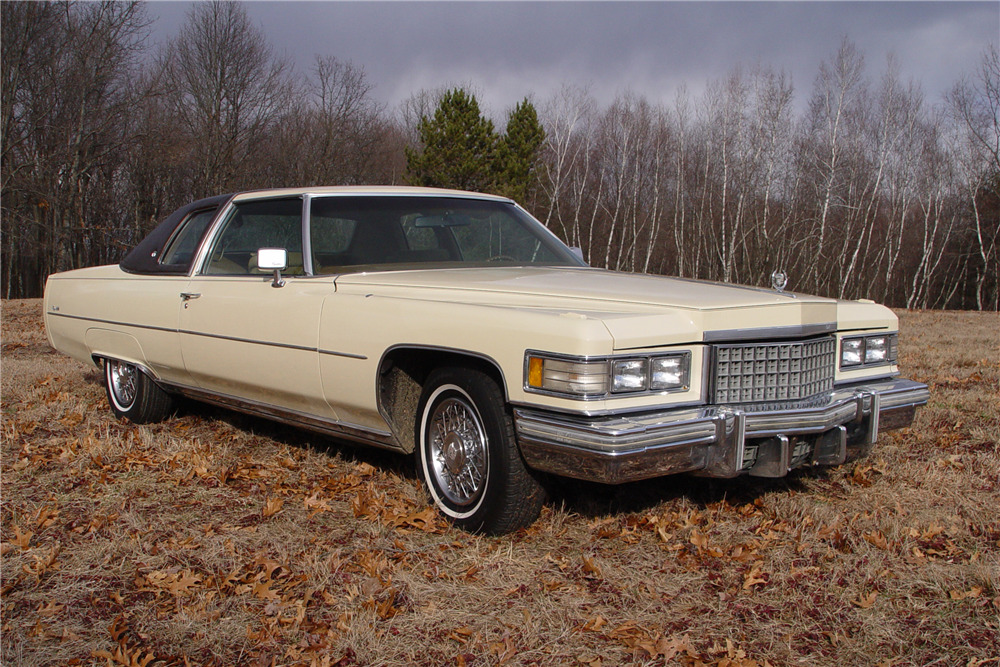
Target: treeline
x=872, y=191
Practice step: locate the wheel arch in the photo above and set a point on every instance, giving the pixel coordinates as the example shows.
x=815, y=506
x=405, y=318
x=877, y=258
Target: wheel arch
x=402, y=372
x=117, y=346
x=100, y=359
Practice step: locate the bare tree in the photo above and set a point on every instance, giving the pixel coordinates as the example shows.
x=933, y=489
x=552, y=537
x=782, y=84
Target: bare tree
x=567, y=118
x=228, y=88
x=975, y=105
x=67, y=69
x=837, y=103
x=333, y=133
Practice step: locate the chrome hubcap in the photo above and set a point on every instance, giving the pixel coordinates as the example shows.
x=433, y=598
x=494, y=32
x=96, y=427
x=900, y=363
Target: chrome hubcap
x=457, y=451
x=123, y=381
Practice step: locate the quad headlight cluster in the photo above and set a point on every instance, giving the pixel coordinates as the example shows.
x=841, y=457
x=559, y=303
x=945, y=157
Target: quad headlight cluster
x=868, y=350
x=596, y=378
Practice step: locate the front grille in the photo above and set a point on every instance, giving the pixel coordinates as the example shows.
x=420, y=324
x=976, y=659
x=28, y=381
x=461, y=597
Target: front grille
x=774, y=371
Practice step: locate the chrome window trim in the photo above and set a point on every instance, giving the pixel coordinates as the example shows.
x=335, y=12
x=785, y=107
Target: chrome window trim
x=307, y=258
x=181, y=227
x=200, y=263
x=197, y=266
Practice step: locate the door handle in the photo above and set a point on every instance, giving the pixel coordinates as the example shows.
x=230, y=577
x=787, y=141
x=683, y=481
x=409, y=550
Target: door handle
x=187, y=296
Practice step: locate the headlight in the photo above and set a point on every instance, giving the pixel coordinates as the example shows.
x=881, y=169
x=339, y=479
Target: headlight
x=851, y=350
x=868, y=350
x=670, y=372
x=597, y=378
x=629, y=375
x=876, y=350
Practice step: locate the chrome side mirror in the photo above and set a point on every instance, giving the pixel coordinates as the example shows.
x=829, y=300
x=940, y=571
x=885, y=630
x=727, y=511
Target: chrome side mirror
x=275, y=259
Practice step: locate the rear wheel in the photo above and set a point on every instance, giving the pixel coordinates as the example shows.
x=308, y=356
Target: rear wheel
x=468, y=457
x=133, y=395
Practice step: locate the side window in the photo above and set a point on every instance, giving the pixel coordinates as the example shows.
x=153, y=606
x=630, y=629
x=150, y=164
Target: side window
x=269, y=223
x=181, y=247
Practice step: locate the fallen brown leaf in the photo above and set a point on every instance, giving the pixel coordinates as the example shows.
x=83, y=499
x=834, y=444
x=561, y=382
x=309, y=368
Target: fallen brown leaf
x=865, y=601
x=273, y=506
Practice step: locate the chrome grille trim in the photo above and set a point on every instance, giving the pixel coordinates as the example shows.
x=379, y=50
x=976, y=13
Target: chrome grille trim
x=772, y=371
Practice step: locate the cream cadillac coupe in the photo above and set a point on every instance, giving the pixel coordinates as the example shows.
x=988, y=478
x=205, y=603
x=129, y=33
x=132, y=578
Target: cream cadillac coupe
x=455, y=327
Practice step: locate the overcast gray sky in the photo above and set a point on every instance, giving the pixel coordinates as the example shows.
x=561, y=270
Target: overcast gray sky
x=508, y=50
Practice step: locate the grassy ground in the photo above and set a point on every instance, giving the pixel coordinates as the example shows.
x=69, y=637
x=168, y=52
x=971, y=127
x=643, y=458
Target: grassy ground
x=214, y=538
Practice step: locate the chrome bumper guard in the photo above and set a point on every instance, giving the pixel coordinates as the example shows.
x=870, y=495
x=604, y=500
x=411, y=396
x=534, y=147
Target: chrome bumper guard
x=765, y=440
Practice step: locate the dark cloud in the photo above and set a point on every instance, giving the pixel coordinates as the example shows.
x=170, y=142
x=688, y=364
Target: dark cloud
x=507, y=50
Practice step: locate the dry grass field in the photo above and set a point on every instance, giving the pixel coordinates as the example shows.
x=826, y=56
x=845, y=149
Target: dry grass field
x=219, y=539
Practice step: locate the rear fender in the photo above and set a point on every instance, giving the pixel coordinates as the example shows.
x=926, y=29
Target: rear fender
x=108, y=344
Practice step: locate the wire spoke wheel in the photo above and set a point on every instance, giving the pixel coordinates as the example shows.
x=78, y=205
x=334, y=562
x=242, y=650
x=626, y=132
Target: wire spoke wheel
x=123, y=380
x=132, y=394
x=458, y=451
x=468, y=456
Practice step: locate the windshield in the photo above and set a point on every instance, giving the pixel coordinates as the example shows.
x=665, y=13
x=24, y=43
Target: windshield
x=350, y=234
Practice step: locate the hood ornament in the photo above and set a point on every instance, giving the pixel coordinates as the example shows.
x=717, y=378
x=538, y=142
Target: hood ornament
x=779, y=279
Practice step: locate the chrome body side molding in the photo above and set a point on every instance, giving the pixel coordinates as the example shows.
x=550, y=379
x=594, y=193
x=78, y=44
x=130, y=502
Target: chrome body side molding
x=362, y=434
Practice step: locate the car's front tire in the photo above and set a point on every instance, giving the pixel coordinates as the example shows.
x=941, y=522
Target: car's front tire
x=468, y=457
x=133, y=395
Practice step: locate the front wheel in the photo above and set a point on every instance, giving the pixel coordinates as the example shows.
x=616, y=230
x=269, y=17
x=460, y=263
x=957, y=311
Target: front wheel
x=468, y=457
x=133, y=395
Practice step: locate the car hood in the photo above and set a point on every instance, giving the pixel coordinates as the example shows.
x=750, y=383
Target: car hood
x=586, y=288
x=637, y=309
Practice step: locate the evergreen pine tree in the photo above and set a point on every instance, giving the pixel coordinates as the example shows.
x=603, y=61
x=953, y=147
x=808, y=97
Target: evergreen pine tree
x=518, y=153
x=459, y=146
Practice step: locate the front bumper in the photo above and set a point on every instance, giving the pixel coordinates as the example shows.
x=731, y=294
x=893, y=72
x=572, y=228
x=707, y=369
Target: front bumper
x=766, y=440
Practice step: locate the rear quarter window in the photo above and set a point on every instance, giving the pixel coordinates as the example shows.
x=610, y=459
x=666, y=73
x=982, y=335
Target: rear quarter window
x=181, y=247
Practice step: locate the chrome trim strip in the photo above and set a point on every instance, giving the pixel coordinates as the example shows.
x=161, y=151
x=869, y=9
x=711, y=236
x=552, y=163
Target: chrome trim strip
x=236, y=339
x=346, y=355
x=287, y=346
x=142, y=367
x=709, y=440
x=641, y=409
x=450, y=194
x=362, y=434
x=380, y=373
x=449, y=350
x=868, y=378
x=766, y=333
x=148, y=327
